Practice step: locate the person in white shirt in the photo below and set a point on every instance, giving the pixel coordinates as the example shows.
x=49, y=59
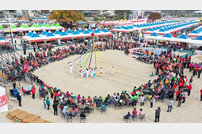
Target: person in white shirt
x=91, y=72
x=71, y=69
x=82, y=72
x=184, y=94
x=142, y=100
x=170, y=105
x=86, y=73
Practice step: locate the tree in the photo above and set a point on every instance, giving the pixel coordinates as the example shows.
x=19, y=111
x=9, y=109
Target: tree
x=154, y=16
x=123, y=13
x=66, y=16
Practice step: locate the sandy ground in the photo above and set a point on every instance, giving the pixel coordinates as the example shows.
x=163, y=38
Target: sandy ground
x=128, y=73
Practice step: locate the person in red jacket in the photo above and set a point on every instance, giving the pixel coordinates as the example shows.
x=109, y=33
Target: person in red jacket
x=189, y=88
x=23, y=90
x=33, y=92
x=201, y=94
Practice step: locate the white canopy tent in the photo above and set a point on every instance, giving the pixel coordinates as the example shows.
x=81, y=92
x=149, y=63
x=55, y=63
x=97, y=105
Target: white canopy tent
x=3, y=100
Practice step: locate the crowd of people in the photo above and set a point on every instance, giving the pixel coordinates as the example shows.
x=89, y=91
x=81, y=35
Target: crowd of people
x=171, y=81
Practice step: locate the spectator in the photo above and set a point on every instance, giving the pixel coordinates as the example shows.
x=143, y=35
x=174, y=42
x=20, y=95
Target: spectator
x=157, y=114
x=19, y=98
x=48, y=103
x=170, y=105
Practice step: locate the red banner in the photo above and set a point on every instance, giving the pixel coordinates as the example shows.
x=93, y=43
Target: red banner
x=3, y=100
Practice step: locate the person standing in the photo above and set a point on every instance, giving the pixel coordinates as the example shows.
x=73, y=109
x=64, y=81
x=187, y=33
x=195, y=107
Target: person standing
x=14, y=85
x=34, y=48
x=180, y=100
x=199, y=72
x=151, y=102
x=189, y=88
x=33, y=92
x=157, y=114
x=19, y=98
x=170, y=105
x=184, y=94
x=48, y=103
x=44, y=103
x=201, y=94
x=55, y=108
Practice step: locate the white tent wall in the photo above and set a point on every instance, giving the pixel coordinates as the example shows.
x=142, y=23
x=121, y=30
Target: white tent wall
x=3, y=100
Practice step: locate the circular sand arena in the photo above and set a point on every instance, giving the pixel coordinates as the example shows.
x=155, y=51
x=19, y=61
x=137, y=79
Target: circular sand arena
x=128, y=73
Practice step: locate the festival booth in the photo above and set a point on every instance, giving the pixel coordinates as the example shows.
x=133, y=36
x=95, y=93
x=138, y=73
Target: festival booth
x=168, y=37
x=34, y=27
x=196, y=33
x=123, y=22
x=57, y=35
x=183, y=38
x=3, y=100
x=197, y=42
x=3, y=41
x=139, y=27
x=46, y=20
x=171, y=28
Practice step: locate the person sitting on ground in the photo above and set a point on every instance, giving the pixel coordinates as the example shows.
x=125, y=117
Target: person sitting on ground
x=82, y=115
x=127, y=116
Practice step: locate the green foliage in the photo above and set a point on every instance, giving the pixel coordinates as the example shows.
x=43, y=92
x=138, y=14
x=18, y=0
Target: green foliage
x=154, y=16
x=66, y=16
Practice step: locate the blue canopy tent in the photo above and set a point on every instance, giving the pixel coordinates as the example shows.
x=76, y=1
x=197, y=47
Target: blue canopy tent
x=86, y=32
x=49, y=34
x=183, y=36
x=34, y=35
x=80, y=31
x=197, y=41
x=75, y=32
x=69, y=31
x=195, y=32
x=96, y=31
x=82, y=22
x=57, y=32
x=90, y=30
x=199, y=38
x=63, y=34
x=44, y=32
x=154, y=34
x=30, y=34
x=99, y=29
x=151, y=29
x=168, y=35
x=118, y=27
x=105, y=30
